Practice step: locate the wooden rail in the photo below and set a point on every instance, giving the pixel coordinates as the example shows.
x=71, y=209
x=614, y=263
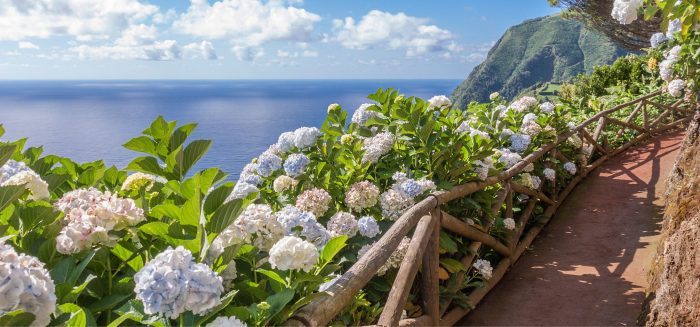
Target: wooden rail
x=427, y=218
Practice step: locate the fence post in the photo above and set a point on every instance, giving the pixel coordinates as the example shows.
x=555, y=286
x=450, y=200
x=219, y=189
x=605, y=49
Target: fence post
x=430, y=283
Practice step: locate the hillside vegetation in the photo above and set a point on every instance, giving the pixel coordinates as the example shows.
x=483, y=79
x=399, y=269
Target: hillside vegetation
x=541, y=50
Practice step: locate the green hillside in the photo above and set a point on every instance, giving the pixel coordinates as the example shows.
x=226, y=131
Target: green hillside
x=538, y=51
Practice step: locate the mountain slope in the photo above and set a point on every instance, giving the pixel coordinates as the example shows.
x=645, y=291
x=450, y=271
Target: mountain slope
x=547, y=49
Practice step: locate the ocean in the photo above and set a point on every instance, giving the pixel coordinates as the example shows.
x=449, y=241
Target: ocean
x=90, y=120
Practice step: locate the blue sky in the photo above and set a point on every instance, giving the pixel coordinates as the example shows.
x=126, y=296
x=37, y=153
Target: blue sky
x=252, y=39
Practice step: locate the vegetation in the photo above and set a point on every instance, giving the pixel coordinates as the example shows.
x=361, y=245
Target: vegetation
x=547, y=49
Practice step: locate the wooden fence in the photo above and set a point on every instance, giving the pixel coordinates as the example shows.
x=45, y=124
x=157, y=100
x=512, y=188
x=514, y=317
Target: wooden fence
x=426, y=218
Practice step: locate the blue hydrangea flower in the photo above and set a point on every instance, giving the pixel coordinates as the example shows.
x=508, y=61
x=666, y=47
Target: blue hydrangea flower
x=251, y=179
x=368, y=227
x=268, y=163
x=286, y=141
x=296, y=164
x=411, y=188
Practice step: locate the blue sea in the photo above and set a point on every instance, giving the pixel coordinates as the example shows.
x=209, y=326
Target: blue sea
x=90, y=120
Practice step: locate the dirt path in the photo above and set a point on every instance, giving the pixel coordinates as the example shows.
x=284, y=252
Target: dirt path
x=588, y=266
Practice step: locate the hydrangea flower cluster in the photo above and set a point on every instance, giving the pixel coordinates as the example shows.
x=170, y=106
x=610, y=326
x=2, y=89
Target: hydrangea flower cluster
x=241, y=190
x=395, y=201
x=549, y=174
x=173, y=283
x=675, y=87
x=570, y=167
x=510, y=159
x=296, y=164
x=223, y=321
x=316, y=201
x=670, y=59
x=283, y=183
x=483, y=267
x=377, y=146
x=523, y=104
x=292, y=253
x=657, y=39
x=439, y=102
x=482, y=168
x=17, y=173
x=90, y=216
x=509, y=223
x=291, y=217
x=519, y=142
x=26, y=285
x=368, y=227
x=343, y=223
x=363, y=114
x=547, y=107
x=137, y=181
x=394, y=260
x=301, y=138
x=529, y=180
x=625, y=11
x=674, y=26
x=268, y=163
x=362, y=195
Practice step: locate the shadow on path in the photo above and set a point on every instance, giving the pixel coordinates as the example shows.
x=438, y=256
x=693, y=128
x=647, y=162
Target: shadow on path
x=588, y=266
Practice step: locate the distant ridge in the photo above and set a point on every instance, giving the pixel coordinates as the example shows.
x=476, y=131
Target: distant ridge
x=538, y=51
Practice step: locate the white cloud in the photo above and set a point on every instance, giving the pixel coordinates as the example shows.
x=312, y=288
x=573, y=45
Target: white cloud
x=203, y=50
x=247, y=24
x=27, y=45
x=380, y=29
x=296, y=54
x=135, y=42
x=82, y=19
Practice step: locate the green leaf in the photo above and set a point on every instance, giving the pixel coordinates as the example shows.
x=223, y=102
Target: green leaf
x=452, y=265
x=159, y=128
x=107, y=302
x=143, y=144
x=75, y=274
x=226, y=214
x=155, y=228
x=180, y=135
x=72, y=296
x=278, y=301
x=16, y=318
x=192, y=153
x=274, y=277
x=166, y=210
x=217, y=197
x=146, y=165
x=78, y=316
x=9, y=194
x=190, y=212
x=333, y=247
x=6, y=152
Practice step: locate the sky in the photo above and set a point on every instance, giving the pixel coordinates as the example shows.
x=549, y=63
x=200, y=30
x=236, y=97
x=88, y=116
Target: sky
x=252, y=39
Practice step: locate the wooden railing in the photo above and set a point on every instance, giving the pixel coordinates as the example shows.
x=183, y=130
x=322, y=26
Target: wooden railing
x=426, y=218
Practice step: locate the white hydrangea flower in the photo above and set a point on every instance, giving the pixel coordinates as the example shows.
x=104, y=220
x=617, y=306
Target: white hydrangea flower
x=666, y=69
x=481, y=168
x=305, y=137
x=506, y=134
x=547, y=107
x=222, y=321
x=292, y=253
x=396, y=257
x=316, y=201
x=343, y=223
x=483, y=267
x=625, y=11
x=523, y=104
x=394, y=203
x=439, y=102
x=399, y=177
x=676, y=87
x=140, y=180
x=549, y=174
x=509, y=158
x=363, y=114
x=90, y=215
x=26, y=285
x=475, y=132
x=519, y=142
x=377, y=146
x=17, y=173
x=426, y=185
x=173, y=283
x=333, y=107
x=283, y=183
x=260, y=224
x=570, y=167
x=674, y=27
x=657, y=39
x=529, y=168
x=509, y=223
x=368, y=227
x=285, y=142
x=241, y=190
x=362, y=195
x=494, y=96
x=463, y=128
